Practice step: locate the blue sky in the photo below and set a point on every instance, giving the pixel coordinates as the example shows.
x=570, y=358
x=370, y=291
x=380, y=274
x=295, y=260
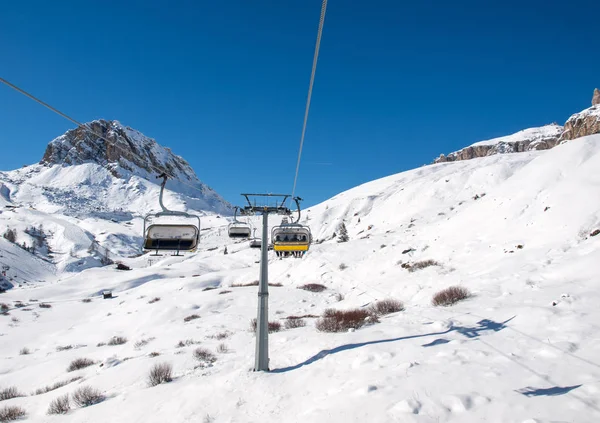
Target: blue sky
x=223, y=83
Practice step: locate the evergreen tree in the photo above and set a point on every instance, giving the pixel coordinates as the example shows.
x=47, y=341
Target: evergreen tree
x=343, y=237
x=10, y=235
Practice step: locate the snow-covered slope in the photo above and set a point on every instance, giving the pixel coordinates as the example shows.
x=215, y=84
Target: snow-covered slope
x=524, y=348
x=90, y=194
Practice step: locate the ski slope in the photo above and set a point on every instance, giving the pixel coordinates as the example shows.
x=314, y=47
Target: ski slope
x=514, y=229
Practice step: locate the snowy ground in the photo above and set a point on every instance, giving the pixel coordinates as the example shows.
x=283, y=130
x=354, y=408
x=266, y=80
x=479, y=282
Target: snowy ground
x=507, y=354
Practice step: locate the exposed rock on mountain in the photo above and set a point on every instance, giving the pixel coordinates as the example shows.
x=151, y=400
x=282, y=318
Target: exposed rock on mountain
x=541, y=138
x=586, y=122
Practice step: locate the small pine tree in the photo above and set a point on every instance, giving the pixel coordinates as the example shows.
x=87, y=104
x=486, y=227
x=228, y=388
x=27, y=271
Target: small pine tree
x=10, y=235
x=343, y=237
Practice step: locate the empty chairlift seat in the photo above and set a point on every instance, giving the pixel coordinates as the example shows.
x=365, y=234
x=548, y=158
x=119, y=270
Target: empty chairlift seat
x=239, y=230
x=171, y=237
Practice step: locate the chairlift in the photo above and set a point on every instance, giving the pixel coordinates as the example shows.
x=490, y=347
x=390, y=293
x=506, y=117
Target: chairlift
x=170, y=236
x=237, y=229
x=291, y=237
x=255, y=242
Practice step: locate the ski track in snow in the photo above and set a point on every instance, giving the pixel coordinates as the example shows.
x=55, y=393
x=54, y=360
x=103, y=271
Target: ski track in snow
x=507, y=354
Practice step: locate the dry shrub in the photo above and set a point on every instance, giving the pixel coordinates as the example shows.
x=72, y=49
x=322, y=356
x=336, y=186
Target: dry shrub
x=4, y=308
x=64, y=348
x=222, y=349
x=142, y=343
x=153, y=300
x=9, y=393
x=80, y=363
x=117, y=340
x=101, y=344
x=11, y=413
x=420, y=265
x=160, y=373
x=342, y=320
x=220, y=336
x=343, y=266
x=191, y=317
x=313, y=287
x=186, y=343
x=154, y=354
x=225, y=291
x=204, y=356
x=273, y=326
x=387, y=306
x=304, y=316
x=241, y=285
x=86, y=396
x=45, y=305
x=294, y=323
x=60, y=405
x=450, y=296
x=56, y=385
x=86, y=300
x=24, y=351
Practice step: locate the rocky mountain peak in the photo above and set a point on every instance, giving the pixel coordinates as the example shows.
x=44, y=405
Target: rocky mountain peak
x=596, y=97
x=120, y=149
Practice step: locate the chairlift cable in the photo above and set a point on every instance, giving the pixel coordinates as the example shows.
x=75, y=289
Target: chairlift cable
x=310, y=88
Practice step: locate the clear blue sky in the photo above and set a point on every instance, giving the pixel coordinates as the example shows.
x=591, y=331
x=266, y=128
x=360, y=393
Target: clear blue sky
x=223, y=83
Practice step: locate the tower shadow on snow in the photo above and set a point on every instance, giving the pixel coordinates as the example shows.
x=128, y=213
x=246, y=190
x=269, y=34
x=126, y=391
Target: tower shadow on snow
x=482, y=326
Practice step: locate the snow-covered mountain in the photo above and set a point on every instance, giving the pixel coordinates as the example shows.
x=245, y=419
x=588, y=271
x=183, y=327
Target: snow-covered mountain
x=519, y=231
x=89, y=195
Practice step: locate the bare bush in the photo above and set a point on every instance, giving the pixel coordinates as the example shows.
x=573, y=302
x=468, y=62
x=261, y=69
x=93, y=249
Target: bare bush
x=273, y=326
x=45, y=305
x=142, y=343
x=343, y=266
x=204, y=356
x=4, y=308
x=86, y=396
x=313, y=287
x=186, y=343
x=222, y=349
x=11, y=413
x=154, y=354
x=343, y=320
x=117, y=340
x=60, y=405
x=55, y=386
x=153, y=300
x=294, y=323
x=304, y=316
x=220, y=336
x=160, y=373
x=386, y=306
x=225, y=291
x=450, y=296
x=191, y=317
x=64, y=348
x=101, y=344
x=9, y=393
x=420, y=265
x=86, y=300
x=24, y=351
x=80, y=363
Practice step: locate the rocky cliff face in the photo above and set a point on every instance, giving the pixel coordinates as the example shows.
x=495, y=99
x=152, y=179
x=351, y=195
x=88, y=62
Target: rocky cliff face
x=596, y=97
x=586, y=122
x=541, y=138
x=123, y=149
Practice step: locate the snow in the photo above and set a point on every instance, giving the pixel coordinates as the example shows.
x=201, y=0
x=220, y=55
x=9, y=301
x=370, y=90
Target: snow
x=507, y=354
x=542, y=132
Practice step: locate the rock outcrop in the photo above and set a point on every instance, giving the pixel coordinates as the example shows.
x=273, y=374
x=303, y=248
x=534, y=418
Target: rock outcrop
x=586, y=122
x=541, y=138
x=122, y=148
x=596, y=97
